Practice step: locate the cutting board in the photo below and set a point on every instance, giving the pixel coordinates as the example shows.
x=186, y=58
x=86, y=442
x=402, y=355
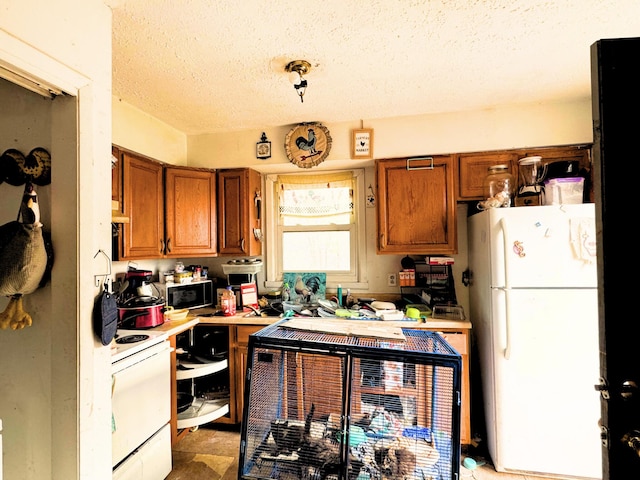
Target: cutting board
x=357, y=328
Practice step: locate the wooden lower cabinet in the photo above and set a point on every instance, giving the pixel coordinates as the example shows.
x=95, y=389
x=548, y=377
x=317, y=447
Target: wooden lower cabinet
x=460, y=340
x=240, y=364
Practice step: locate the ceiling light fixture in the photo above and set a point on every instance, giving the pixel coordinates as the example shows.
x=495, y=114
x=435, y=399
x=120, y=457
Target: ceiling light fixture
x=296, y=70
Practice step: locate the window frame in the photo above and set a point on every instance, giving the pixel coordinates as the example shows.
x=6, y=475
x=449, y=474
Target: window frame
x=356, y=278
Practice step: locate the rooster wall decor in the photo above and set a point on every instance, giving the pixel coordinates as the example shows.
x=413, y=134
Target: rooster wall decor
x=308, y=144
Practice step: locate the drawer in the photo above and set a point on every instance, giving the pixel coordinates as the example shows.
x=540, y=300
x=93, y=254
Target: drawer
x=243, y=332
x=457, y=341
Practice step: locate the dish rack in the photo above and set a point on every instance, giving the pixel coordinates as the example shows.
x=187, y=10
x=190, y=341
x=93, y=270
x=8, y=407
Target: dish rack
x=448, y=312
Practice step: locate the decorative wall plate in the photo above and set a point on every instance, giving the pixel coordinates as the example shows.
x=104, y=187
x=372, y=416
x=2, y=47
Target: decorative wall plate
x=307, y=144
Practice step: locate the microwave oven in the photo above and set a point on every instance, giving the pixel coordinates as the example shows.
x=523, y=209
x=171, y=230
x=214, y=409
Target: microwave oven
x=196, y=294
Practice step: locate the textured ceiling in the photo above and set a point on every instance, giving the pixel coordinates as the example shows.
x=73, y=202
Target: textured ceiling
x=205, y=66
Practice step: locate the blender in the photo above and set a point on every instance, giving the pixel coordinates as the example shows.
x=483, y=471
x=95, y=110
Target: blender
x=531, y=174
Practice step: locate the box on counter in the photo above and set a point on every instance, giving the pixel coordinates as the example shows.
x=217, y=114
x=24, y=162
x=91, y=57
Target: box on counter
x=249, y=292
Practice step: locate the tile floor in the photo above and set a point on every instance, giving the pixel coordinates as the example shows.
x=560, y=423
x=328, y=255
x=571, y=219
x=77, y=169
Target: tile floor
x=211, y=453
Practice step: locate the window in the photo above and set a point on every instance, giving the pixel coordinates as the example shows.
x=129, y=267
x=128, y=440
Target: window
x=315, y=226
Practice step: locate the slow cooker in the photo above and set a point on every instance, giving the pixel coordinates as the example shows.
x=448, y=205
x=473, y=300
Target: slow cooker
x=141, y=312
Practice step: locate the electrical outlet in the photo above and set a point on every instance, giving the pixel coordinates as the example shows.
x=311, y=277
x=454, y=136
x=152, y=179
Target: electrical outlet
x=392, y=279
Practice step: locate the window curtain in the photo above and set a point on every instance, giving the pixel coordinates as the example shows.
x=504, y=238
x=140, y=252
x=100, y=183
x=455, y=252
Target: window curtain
x=315, y=195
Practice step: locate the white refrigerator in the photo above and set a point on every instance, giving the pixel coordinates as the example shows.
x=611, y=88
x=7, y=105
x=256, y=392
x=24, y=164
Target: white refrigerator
x=534, y=310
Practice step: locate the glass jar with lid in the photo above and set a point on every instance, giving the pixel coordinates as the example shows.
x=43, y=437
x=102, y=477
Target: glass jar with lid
x=499, y=187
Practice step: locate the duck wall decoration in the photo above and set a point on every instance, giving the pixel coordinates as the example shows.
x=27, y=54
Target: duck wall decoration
x=26, y=256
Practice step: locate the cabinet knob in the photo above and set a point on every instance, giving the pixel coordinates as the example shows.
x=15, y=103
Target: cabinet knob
x=168, y=245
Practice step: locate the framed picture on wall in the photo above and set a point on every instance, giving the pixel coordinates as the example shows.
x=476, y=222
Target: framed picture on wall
x=362, y=143
x=263, y=148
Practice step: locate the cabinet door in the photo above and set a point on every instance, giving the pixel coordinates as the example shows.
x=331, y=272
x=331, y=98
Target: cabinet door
x=416, y=206
x=473, y=169
x=460, y=341
x=239, y=216
x=581, y=153
x=116, y=178
x=240, y=367
x=190, y=212
x=143, y=200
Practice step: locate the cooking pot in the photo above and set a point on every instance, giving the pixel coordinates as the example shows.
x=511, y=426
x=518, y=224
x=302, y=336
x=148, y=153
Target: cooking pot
x=141, y=312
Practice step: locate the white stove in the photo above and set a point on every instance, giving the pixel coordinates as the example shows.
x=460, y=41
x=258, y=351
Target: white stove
x=128, y=342
x=141, y=405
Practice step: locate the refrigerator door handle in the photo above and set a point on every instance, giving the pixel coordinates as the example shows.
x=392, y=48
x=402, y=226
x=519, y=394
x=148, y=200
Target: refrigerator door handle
x=507, y=321
x=506, y=289
x=505, y=251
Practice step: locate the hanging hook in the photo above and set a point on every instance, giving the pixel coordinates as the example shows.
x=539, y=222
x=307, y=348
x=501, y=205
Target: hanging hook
x=106, y=275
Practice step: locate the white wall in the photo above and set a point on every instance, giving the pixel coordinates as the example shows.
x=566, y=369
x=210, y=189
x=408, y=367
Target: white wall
x=142, y=133
x=55, y=384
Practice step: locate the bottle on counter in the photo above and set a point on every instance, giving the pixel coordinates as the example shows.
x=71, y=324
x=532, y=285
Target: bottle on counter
x=349, y=299
x=228, y=302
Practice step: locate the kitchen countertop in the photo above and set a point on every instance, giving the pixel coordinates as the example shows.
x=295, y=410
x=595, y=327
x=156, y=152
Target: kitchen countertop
x=430, y=323
x=175, y=327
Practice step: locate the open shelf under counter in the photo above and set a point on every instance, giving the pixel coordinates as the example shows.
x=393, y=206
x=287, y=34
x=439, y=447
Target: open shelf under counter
x=202, y=411
x=186, y=370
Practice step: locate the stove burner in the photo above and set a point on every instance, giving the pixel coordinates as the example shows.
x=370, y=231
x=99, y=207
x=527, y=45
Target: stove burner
x=132, y=338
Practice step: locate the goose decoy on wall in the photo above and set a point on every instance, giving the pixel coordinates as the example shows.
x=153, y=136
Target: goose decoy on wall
x=23, y=259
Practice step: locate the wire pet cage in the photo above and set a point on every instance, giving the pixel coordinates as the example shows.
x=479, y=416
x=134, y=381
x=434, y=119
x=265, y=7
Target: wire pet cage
x=332, y=406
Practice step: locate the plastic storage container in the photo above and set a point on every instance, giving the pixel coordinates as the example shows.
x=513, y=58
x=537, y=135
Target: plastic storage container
x=566, y=190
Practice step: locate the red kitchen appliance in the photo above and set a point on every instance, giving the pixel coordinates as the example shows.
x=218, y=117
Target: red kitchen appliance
x=135, y=278
x=141, y=312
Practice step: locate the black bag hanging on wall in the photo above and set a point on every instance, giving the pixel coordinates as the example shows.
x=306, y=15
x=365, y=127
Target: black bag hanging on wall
x=105, y=316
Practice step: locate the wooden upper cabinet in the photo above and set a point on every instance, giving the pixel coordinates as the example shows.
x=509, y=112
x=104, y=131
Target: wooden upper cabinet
x=473, y=168
x=580, y=153
x=143, y=198
x=239, y=216
x=171, y=210
x=416, y=206
x=190, y=212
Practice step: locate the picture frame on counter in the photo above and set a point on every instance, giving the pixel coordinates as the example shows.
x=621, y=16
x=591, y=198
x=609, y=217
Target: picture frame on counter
x=362, y=143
